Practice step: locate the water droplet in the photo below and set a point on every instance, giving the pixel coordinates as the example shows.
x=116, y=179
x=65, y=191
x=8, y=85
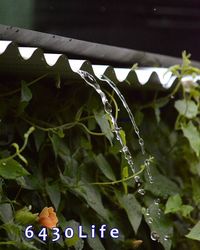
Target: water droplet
x=146, y=162
x=136, y=129
x=141, y=191
x=166, y=237
x=150, y=220
x=3, y=163
x=155, y=236
x=125, y=149
x=159, y=212
x=147, y=212
x=141, y=142
x=130, y=162
x=157, y=202
x=151, y=180
x=108, y=107
x=138, y=181
x=137, y=178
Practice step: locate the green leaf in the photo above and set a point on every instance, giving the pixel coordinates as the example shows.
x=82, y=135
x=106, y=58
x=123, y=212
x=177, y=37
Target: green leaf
x=39, y=137
x=25, y=217
x=173, y=204
x=93, y=243
x=160, y=225
x=186, y=210
x=186, y=108
x=90, y=193
x=162, y=186
x=26, y=94
x=193, y=136
x=93, y=198
x=194, y=234
x=105, y=167
x=11, y=169
x=54, y=194
x=196, y=191
x=75, y=241
x=6, y=213
x=103, y=123
x=132, y=208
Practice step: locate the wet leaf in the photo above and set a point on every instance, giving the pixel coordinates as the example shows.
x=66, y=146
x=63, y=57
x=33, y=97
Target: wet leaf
x=160, y=225
x=103, y=123
x=11, y=169
x=6, y=213
x=186, y=108
x=162, y=186
x=104, y=167
x=132, y=208
x=173, y=204
x=194, y=234
x=93, y=243
x=193, y=136
x=54, y=194
x=26, y=94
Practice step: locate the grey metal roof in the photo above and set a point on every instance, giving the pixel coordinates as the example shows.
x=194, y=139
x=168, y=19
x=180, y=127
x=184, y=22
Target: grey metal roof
x=33, y=62
x=87, y=50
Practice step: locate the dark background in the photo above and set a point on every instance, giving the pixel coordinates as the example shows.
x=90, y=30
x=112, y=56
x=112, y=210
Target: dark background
x=166, y=27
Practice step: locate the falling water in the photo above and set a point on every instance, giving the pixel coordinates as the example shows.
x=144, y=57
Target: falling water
x=91, y=81
x=136, y=129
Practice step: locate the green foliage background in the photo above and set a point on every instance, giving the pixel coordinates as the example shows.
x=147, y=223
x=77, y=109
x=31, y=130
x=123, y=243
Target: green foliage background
x=57, y=149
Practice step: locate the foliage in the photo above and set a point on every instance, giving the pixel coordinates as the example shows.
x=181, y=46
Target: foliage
x=58, y=149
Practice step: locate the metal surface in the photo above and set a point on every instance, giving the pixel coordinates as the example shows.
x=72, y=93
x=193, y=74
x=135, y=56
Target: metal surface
x=103, y=54
x=31, y=62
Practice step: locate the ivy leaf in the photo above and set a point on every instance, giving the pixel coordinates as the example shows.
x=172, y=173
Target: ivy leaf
x=186, y=210
x=26, y=94
x=75, y=241
x=132, y=208
x=161, y=227
x=94, y=243
x=173, y=204
x=54, y=194
x=196, y=191
x=193, y=136
x=105, y=167
x=187, y=108
x=103, y=123
x=162, y=186
x=6, y=213
x=194, y=234
x=11, y=169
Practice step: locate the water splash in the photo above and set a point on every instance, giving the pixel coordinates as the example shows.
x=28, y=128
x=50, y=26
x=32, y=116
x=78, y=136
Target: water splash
x=155, y=236
x=141, y=191
x=166, y=237
x=91, y=81
x=136, y=129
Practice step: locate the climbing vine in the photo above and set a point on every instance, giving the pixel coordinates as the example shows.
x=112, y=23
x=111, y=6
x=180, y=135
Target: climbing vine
x=58, y=150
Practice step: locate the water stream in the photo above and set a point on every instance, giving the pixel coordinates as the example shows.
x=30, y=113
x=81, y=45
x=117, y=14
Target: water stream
x=91, y=81
x=136, y=129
